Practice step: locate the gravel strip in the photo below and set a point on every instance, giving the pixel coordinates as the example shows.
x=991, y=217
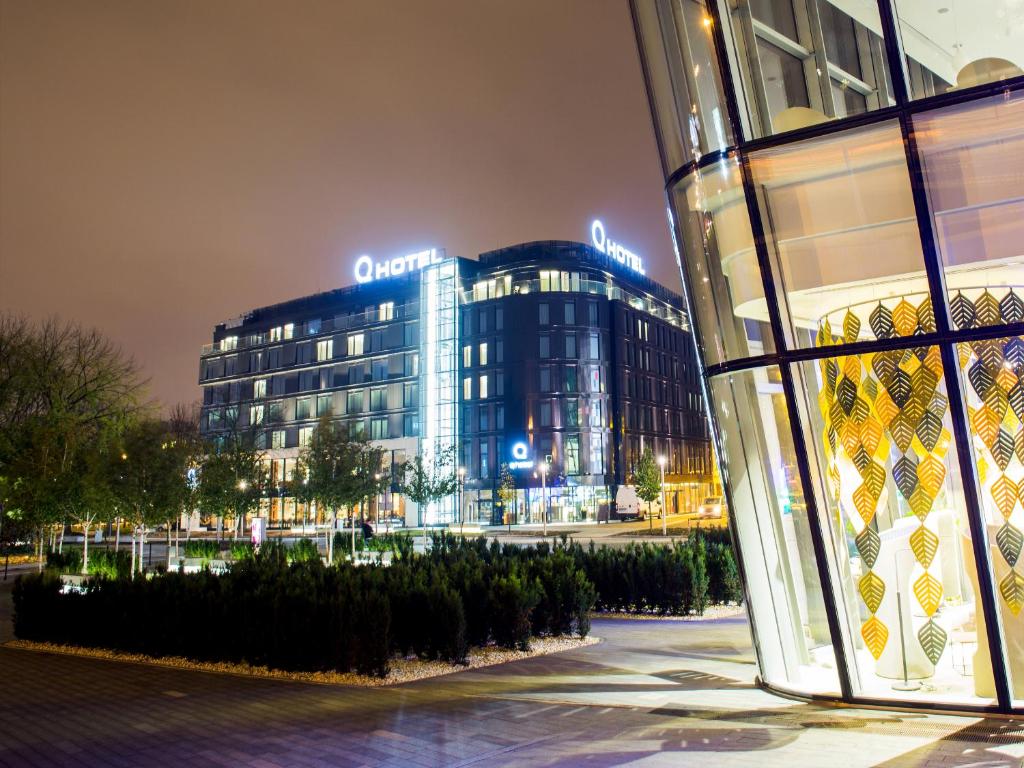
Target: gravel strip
x=402, y=670
x=711, y=613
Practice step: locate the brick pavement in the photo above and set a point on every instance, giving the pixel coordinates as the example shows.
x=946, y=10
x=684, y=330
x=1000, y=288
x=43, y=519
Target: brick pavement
x=652, y=694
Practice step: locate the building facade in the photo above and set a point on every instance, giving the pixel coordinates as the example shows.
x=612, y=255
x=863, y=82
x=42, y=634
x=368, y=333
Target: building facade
x=845, y=182
x=552, y=361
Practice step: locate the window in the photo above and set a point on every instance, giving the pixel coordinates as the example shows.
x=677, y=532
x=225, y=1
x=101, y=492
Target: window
x=325, y=349
x=570, y=346
x=482, y=353
x=485, y=418
x=313, y=327
x=784, y=84
x=323, y=405
x=595, y=346
x=355, y=343
x=592, y=318
x=570, y=378
x=485, y=464
x=302, y=408
x=259, y=388
x=499, y=318
x=545, y=379
x=572, y=455
x=570, y=313
x=256, y=415
x=499, y=417
x=357, y=428
x=276, y=334
x=412, y=364
x=378, y=398
x=545, y=413
x=380, y=369
x=355, y=402
x=467, y=388
x=412, y=334
x=379, y=429
x=572, y=412
x=277, y=438
x=544, y=342
x=499, y=351
x=483, y=386
x=482, y=322
x=467, y=356
x=596, y=461
x=499, y=384
x=410, y=425
x=543, y=315
x=386, y=311
x=289, y=330
x=595, y=414
x=229, y=342
x=410, y=395
x=305, y=436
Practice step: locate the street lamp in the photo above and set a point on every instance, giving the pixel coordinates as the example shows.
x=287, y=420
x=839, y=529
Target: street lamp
x=664, y=507
x=544, y=494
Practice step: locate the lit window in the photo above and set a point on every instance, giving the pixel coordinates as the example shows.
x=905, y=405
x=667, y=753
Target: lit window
x=325, y=349
x=483, y=353
x=256, y=414
x=467, y=356
x=259, y=388
x=379, y=429
x=305, y=436
x=229, y=342
x=289, y=330
x=355, y=343
x=323, y=405
x=386, y=311
x=572, y=455
x=467, y=388
x=302, y=408
x=378, y=399
x=483, y=386
x=355, y=402
x=275, y=334
x=277, y=438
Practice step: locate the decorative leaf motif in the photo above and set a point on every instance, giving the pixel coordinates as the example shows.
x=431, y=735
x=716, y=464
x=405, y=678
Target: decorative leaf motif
x=1010, y=540
x=861, y=459
x=964, y=353
x=1012, y=590
x=885, y=407
x=900, y=389
x=1004, y=494
x=872, y=590
x=870, y=435
x=849, y=436
x=1002, y=450
x=874, y=478
x=933, y=640
x=904, y=472
x=1013, y=351
x=986, y=309
x=961, y=309
x=921, y=503
x=981, y=378
x=914, y=409
x=924, y=382
x=902, y=430
x=831, y=374
x=851, y=327
x=931, y=471
x=990, y=353
x=861, y=410
x=997, y=400
x=1015, y=396
x=875, y=635
x=868, y=544
x=1011, y=308
x=986, y=424
x=851, y=368
x=928, y=591
x=865, y=503
x=1006, y=378
x=904, y=316
x=926, y=316
x=880, y=321
x=924, y=543
x=846, y=394
x=1018, y=445
x=870, y=388
x=929, y=429
x=884, y=366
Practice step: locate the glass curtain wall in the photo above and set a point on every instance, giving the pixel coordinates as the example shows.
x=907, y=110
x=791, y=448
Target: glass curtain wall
x=852, y=248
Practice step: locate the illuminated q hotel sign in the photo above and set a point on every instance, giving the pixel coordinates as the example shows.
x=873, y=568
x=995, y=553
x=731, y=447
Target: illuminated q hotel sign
x=614, y=250
x=367, y=270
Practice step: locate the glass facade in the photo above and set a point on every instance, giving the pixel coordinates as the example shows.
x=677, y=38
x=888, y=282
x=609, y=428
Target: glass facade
x=854, y=264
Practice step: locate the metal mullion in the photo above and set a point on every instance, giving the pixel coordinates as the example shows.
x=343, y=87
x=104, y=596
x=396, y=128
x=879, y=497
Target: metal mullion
x=814, y=522
x=819, y=55
x=893, y=44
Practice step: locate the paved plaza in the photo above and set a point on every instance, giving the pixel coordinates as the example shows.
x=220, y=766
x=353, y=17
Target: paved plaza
x=653, y=693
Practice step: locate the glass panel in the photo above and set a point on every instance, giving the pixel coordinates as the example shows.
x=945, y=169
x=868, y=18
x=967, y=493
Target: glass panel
x=959, y=43
x=770, y=518
x=806, y=62
x=840, y=224
x=881, y=429
x=723, y=277
x=993, y=380
x=684, y=79
x=970, y=154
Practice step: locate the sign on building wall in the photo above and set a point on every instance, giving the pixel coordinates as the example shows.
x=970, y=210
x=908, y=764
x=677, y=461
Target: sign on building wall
x=614, y=250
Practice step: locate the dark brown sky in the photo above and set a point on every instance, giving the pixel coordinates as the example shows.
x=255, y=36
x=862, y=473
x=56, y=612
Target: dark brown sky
x=167, y=164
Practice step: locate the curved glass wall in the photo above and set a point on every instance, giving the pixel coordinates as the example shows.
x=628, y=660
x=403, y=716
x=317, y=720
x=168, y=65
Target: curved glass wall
x=853, y=255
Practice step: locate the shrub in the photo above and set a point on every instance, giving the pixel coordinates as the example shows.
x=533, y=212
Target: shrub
x=68, y=561
x=511, y=605
x=304, y=551
x=204, y=549
x=241, y=550
x=110, y=564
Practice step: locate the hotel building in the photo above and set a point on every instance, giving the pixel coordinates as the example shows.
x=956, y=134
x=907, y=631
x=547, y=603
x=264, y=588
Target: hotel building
x=555, y=354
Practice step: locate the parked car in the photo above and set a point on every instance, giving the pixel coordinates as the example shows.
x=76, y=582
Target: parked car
x=711, y=508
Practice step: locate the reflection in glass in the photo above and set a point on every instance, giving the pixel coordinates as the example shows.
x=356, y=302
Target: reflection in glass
x=960, y=43
x=881, y=429
x=993, y=380
x=725, y=287
x=805, y=62
x=975, y=183
x=684, y=79
x=840, y=224
x=771, y=522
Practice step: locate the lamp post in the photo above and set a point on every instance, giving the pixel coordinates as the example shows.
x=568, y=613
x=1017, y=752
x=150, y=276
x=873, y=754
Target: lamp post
x=462, y=494
x=664, y=507
x=544, y=495
x=377, y=502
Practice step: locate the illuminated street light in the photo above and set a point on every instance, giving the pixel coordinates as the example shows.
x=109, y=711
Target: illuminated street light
x=664, y=507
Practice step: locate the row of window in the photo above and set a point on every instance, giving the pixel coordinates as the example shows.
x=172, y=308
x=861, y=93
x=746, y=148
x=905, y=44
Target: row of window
x=571, y=455
x=685, y=457
x=568, y=313
x=588, y=349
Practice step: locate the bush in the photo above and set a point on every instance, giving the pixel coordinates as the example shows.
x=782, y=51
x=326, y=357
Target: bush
x=511, y=605
x=204, y=549
x=110, y=564
x=68, y=561
x=304, y=551
x=241, y=550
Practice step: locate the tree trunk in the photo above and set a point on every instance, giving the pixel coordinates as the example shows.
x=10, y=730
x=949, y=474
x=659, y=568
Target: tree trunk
x=650, y=517
x=117, y=533
x=39, y=547
x=133, y=553
x=60, y=547
x=85, y=548
x=142, y=550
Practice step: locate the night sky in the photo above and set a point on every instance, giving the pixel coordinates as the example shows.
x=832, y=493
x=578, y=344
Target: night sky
x=166, y=165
